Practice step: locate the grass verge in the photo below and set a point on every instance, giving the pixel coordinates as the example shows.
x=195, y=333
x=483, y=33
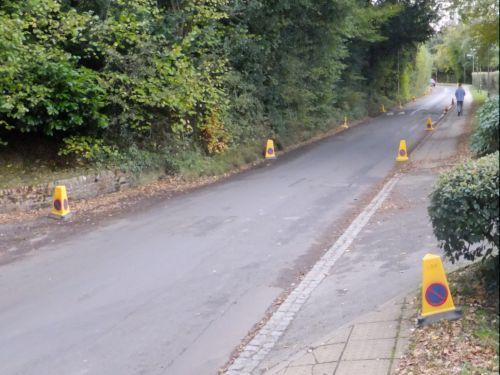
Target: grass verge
x=21, y=168
x=479, y=96
x=16, y=171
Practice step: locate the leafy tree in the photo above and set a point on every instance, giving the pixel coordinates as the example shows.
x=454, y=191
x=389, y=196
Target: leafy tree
x=164, y=76
x=473, y=39
x=482, y=18
x=403, y=33
x=43, y=88
x=452, y=52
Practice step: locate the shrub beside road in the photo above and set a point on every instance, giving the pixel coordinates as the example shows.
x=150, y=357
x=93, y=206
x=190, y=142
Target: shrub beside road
x=464, y=209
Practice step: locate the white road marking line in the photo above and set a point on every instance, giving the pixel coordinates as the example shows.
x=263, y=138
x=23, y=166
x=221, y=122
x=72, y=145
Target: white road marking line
x=267, y=337
x=415, y=111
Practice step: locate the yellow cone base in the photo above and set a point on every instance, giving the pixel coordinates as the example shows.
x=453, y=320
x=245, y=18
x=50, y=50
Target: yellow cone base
x=61, y=217
x=454, y=314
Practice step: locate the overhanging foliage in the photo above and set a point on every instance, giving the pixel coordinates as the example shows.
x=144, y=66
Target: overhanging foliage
x=169, y=75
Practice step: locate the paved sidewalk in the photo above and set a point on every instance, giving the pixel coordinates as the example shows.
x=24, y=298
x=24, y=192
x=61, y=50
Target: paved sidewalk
x=371, y=345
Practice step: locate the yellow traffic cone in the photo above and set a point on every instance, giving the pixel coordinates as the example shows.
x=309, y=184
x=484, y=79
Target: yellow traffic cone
x=437, y=302
x=344, y=125
x=270, y=153
x=60, y=205
x=429, y=124
x=402, y=152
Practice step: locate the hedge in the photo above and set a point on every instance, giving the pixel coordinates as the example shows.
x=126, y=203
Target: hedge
x=464, y=209
x=485, y=137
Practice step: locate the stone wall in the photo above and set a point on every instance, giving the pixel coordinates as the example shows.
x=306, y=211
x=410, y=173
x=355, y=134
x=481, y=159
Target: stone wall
x=81, y=187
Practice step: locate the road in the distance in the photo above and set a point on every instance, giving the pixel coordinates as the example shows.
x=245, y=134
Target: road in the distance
x=173, y=290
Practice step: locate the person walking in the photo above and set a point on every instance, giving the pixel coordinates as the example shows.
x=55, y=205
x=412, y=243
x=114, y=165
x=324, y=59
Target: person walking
x=460, y=95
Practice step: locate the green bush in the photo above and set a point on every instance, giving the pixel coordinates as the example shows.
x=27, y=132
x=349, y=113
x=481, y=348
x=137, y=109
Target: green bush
x=464, y=209
x=485, y=137
x=136, y=161
x=43, y=89
x=85, y=148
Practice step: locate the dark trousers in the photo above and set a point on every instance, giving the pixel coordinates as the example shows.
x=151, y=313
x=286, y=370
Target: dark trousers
x=460, y=106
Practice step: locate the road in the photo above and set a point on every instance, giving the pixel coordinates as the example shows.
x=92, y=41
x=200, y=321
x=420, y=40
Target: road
x=173, y=290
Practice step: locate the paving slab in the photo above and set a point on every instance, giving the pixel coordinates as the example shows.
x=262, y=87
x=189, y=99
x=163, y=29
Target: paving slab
x=306, y=359
x=325, y=368
x=369, y=349
x=328, y=353
x=401, y=347
x=375, y=330
x=409, y=312
x=406, y=328
x=387, y=313
x=370, y=367
x=299, y=370
x=341, y=335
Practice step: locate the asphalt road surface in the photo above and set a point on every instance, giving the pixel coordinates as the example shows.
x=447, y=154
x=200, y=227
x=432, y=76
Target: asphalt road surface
x=173, y=290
